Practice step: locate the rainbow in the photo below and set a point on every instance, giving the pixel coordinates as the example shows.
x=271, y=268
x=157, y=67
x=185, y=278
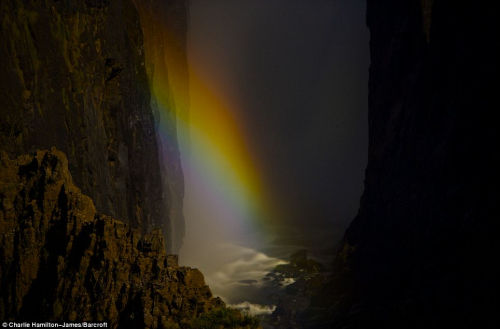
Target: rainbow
x=216, y=154
x=221, y=156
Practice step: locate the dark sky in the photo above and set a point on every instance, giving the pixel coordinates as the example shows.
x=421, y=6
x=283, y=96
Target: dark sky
x=298, y=72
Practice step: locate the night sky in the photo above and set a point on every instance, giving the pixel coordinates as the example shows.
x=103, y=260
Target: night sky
x=297, y=71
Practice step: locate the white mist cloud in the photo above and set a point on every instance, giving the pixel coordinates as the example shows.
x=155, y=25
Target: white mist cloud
x=254, y=309
x=234, y=273
x=249, y=267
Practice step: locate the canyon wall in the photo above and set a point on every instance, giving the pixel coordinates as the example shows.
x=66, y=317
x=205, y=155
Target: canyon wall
x=72, y=75
x=420, y=253
x=164, y=26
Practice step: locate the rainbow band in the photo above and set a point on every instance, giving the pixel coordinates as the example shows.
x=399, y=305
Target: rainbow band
x=215, y=153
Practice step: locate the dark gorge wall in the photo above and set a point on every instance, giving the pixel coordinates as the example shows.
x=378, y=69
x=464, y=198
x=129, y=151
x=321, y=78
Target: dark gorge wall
x=422, y=249
x=72, y=75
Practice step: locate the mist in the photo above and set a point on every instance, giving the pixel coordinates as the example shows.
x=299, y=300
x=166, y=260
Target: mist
x=296, y=74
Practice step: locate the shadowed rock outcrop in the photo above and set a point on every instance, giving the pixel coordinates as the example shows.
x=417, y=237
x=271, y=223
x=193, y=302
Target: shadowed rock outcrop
x=61, y=260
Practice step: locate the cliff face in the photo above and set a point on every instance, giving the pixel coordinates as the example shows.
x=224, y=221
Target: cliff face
x=164, y=26
x=72, y=75
x=61, y=260
x=420, y=251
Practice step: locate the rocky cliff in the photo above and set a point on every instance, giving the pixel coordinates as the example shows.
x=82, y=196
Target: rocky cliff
x=61, y=260
x=72, y=75
x=421, y=251
x=164, y=26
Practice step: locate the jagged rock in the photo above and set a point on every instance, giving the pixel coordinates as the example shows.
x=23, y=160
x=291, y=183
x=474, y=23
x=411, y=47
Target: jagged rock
x=61, y=260
x=72, y=75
